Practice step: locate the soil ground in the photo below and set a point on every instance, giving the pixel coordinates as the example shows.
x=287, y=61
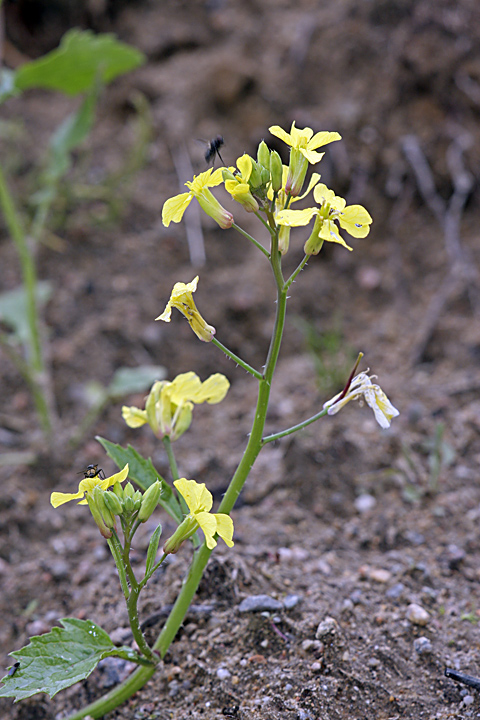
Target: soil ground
x=356, y=522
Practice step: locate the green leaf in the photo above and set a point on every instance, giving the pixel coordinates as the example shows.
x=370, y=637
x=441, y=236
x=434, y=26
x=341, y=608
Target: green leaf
x=81, y=59
x=152, y=550
x=60, y=658
x=143, y=473
x=132, y=380
x=13, y=308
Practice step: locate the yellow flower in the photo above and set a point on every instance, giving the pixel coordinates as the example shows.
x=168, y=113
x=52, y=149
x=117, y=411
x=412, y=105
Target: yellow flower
x=374, y=396
x=281, y=199
x=175, y=207
x=238, y=186
x=91, y=493
x=182, y=299
x=352, y=218
x=200, y=501
x=169, y=405
x=86, y=487
x=303, y=151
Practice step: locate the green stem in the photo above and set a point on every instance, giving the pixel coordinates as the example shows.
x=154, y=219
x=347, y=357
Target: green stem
x=237, y=359
x=116, y=550
x=172, y=461
x=132, y=603
x=29, y=276
x=295, y=428
x=252, y=239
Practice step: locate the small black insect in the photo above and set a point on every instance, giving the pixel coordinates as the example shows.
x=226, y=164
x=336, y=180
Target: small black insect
x=214, y=149
x=13, y=669
x=92, y=471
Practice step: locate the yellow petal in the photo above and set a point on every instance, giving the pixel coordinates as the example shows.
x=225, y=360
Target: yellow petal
x=323, y=138
x=312, y=156
x=175, y=207
x=355, y=220
x=196, y=495
x=213, y=390
x=296, y=218
x=184, y=387
x=58, y=498
x=208, y=523
x=133, y=416
x=281, y=134
x=225, y=528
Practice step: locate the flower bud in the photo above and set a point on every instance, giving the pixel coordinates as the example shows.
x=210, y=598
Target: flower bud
x=149, y=501
x=297, y=169
x=184, y=531
x=263, y=154
x=128, y=490
x=128, y=506
x=255, y=179
x=113, y=502
x=92, y=499
x=276, y=170
x=315, y=242
x=137, y=500
x=117, y=488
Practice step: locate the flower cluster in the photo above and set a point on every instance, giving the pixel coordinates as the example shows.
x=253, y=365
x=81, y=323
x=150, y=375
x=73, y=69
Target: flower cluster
x=169, y=405
x=265, y=186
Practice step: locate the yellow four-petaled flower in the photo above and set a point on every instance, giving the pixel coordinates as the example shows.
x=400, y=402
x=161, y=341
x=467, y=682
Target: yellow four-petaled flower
x=182, y=299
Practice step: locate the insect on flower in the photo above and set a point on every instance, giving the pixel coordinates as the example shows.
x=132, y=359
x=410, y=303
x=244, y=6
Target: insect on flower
x=213, y=149
x=92, y=471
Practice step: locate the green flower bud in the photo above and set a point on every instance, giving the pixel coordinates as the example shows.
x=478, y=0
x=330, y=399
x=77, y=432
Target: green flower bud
x=137, y=500
x=255, y=179
x=263, y=154
x=185, y=530
x=128, y=490
x=227, y=175
x=128, y=505
x=315, y=242
x=276, y=170
x=113, y=502
x=150, y=501
x=117, y=488
x=183, y=421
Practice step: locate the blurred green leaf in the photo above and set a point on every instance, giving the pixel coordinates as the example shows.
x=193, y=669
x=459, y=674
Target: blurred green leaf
x=13, y=308
x=143, y=473
x=60, y=658
x=82, y=59
x=133, y=380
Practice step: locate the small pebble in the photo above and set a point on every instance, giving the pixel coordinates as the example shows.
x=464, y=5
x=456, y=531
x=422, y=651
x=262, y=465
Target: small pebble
x=365, y=502
x=260, y=603
x=395, y=591
x=468, y=700
x=304, y=715
x=329, y=626
x=290, y=601
x=417, y=615
x=422, y=645
x=223, y=673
